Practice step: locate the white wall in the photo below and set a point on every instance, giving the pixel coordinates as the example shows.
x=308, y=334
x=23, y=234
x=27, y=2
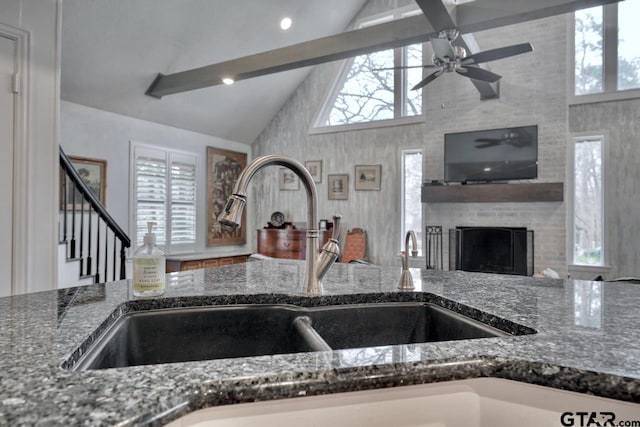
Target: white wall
x=533, y=91
x=93, y=133
x=40, y=19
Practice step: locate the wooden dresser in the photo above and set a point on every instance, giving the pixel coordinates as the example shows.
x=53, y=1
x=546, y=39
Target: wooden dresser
x=206, y=261
x=287, y=243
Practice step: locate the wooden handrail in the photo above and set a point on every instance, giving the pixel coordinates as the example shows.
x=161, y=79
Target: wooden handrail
x=76, y=249
x=98, y=207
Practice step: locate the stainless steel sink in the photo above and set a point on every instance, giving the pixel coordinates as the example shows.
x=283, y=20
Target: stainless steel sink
x=216, y=332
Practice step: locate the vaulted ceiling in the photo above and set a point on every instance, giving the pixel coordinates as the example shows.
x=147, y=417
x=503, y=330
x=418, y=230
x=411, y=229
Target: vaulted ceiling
x=113, y=50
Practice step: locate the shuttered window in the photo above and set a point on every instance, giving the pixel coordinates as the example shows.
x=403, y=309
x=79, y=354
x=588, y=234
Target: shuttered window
x=183, y=202
x=165, y=192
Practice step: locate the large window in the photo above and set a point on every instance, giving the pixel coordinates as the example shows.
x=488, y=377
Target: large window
x=607, y=49
x=164, y=191
x=588, y=202
x=411, y=197
x=371, y=88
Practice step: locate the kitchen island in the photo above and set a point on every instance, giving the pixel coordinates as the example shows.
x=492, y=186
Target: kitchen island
x=587, y=340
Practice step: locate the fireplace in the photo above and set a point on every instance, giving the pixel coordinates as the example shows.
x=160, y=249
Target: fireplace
x=502, y=250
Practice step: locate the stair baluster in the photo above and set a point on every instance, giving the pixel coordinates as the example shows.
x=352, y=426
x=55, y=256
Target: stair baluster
x=89, y=255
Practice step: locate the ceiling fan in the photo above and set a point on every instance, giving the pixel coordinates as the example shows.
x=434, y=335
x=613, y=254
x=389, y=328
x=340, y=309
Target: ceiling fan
x=447, y=58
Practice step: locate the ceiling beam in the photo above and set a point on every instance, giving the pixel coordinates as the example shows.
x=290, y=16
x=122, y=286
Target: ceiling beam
x=441, y=19
x=470, y=17
x=402, y=32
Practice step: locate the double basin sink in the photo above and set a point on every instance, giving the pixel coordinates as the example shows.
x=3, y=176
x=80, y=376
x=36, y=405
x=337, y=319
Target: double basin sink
x=216, y=332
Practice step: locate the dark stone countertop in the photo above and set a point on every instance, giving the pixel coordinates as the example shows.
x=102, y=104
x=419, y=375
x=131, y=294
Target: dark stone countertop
x=588, y=341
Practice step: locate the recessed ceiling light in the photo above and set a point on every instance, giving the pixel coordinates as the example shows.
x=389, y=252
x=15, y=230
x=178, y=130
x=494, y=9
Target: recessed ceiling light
x=487, y=169
x=286, y=22
x=228, y=81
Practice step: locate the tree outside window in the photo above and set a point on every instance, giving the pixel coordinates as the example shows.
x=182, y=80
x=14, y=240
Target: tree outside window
x=377, y=86
x=591, y=67
x=411, y=195
x=588, y=202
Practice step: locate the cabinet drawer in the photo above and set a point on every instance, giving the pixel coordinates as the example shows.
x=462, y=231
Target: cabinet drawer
x=210, y=263
x=191, y=265
x=226, y=261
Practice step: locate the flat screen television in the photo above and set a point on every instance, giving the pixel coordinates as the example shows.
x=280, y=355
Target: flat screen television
x=491, y=155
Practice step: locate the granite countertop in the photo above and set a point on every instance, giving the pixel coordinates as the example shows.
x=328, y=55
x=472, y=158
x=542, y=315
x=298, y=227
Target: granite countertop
x=587, y=340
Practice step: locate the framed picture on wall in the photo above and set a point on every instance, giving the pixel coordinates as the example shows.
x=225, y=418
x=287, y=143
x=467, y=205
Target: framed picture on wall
x=288, y=180
x=93, y=172
x=223, y=169
x=367, y=177
x=338, y=187
x=315, y=169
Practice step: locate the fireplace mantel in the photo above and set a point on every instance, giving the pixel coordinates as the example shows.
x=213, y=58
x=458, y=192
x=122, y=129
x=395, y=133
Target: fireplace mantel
x=494, y=193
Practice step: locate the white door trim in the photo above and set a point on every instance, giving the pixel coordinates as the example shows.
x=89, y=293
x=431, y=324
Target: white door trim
x=20, y=158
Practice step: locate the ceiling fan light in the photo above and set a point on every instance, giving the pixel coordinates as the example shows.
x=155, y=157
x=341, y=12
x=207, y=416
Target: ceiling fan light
x=285, y=23
x=228, y=81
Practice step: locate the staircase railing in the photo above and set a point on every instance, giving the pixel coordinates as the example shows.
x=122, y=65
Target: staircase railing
x=81, y=213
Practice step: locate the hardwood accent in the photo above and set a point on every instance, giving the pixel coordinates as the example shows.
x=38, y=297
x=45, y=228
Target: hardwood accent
x=287, y=243
x=355, y=245
x=494, y=193
x=208, y=262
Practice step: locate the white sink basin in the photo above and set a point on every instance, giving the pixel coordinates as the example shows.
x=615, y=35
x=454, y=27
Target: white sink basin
x=482, y=402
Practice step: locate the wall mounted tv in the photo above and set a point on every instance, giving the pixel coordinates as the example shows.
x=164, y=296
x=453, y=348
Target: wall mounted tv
x=491, y=155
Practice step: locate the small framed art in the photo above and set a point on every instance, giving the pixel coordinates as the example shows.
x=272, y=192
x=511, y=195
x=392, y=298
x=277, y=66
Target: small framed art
x=288, y=179
x=367, y=177
x=93, y=172
x=315, y=169
x=339, y=187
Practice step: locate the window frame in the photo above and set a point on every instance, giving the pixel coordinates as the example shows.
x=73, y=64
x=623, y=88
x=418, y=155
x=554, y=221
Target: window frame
x=610, y=91
x=170, y=156
x=570, y=179
x=403, y=230
x=318, y=126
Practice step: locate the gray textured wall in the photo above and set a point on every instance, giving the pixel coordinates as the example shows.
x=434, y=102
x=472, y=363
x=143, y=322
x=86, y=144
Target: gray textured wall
x=533, y=91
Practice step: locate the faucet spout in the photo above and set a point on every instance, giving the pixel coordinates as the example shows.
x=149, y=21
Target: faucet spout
x=232, y=213
x=330, y=251
x=406, y=281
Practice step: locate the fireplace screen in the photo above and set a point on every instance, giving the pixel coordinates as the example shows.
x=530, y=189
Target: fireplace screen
x=502, y=250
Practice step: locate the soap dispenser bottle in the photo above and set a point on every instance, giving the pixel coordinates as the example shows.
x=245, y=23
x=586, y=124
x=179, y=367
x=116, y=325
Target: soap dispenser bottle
x=148, y=267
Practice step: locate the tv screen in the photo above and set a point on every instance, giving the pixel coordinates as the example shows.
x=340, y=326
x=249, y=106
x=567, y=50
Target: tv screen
x=491, y=155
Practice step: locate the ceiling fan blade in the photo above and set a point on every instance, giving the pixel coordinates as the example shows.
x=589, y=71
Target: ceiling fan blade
x=431, y=77
x=499, y=53
x=442, y=48
x=478, y=74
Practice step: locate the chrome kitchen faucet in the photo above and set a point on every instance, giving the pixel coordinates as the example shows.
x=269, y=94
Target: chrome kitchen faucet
x=406, y=281
x=317, y=266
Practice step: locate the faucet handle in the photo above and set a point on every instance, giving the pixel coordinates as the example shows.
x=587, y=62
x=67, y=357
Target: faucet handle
x=336, y=226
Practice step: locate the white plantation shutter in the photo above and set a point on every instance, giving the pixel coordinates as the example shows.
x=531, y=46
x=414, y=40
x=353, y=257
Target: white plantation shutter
x=165, y=192
x=183, y=202
x=151, y=197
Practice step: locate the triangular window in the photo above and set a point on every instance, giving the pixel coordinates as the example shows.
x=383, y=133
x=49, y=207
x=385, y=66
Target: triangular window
x=373, y=88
